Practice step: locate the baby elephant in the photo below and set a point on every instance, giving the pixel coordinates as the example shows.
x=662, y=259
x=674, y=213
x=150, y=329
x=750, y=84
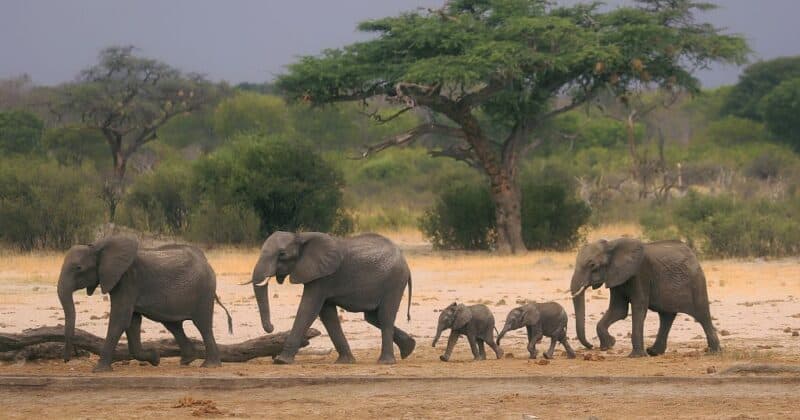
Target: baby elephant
x=548, y=319
x=476, y=322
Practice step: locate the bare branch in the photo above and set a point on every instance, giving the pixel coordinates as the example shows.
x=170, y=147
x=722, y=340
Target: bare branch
x=411, y=136
x=460, y=153
x=378, y=118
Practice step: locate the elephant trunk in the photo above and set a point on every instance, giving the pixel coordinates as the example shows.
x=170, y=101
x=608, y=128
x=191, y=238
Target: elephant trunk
x=580, y=282
x=502, y=334
x=65, y=289
x=438, y=334
x=261, y=272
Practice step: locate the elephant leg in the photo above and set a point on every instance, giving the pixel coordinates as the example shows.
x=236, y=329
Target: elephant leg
x=531, y=343
x=473, y=346
x=549, y=353
x=639, y=313
x=498, y=352
x=711, y=333
x=665, y=323
x=330, y=319
x=135, y=342
x=307, y=312
x=564, y=340
x=386, y=316
x=188, y=352
x=404, y=342
x=617, y=310
x=451, y=342
x=204, y=321
x=481, y=349
x=118, y=321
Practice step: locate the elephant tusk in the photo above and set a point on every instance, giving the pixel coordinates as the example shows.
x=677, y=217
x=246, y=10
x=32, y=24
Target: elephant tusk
x=263, y=282
x=576, y=294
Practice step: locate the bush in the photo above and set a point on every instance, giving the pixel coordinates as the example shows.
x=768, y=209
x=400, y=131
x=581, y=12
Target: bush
x=287, y=185
x=464, y=218
x=726, y=227
x=159, y=202
x=211, y=222
x=20, y=132
x=44, y=206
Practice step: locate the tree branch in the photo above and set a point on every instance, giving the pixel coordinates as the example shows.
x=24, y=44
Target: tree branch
x=458, y=152
x=411, y=136
x=377, y=117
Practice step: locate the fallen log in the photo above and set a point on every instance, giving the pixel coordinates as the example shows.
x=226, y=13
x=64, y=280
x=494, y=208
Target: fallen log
x=47, y=343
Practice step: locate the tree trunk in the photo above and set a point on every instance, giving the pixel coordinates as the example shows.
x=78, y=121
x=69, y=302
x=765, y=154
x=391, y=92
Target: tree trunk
x=508, y=214
x=33, y=344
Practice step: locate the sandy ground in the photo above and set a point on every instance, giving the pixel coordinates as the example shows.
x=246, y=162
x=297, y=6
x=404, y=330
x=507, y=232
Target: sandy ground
x=756, y=305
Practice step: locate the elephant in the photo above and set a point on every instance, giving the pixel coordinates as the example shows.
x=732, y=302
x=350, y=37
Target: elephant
x=547, y=319
x=662, y=276
x=365, y=273
x=169, y=285
x=476, y=322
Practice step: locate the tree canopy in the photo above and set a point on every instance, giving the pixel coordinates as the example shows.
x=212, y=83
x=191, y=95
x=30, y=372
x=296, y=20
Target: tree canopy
x=755, y=83
x=507, y=66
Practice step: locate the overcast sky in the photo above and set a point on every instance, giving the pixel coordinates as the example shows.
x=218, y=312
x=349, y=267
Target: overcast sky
x=252, y=40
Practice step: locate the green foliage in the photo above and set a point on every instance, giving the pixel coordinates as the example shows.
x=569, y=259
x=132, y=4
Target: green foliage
x=286, y=184
x=249, y=112
x=757, y=81
x=462, y=218
x=734, y=130
x=726, y=227
x=216, y=223
x=160, y=201
x=74, y=145
x=45, y=206
x=781, y=110
x=20, y=132
x=195, y=129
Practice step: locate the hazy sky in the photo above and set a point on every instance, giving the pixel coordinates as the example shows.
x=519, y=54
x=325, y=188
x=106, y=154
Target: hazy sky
x=251, y=40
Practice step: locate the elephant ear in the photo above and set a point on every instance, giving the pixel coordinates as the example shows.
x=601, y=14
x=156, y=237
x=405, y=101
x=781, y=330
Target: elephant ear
x=625, y=257
x=115, y=256
x=530, y=316
x=319, y=257
x=463, y=315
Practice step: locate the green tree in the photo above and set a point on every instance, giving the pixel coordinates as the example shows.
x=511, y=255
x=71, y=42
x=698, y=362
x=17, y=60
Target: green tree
x=251, y=112
x=20, y=132
x=73, y=145
x=781, y=109
x=128, y=99
x=493, y=71
x=756, y=82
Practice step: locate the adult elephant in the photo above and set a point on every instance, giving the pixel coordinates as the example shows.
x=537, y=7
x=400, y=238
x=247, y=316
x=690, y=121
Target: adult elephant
x=170, y=284
x=365, y=273
x=661, y=276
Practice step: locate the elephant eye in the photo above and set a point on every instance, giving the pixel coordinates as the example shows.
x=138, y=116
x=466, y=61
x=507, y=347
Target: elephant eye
x=78, y=267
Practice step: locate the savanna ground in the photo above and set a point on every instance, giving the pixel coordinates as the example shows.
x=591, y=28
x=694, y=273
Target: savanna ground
x=756, y=305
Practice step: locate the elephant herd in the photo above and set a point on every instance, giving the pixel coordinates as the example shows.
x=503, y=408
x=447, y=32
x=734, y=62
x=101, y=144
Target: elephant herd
x=368, y=273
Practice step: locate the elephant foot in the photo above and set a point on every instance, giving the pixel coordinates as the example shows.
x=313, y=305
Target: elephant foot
x=656, y=351
x=607, y=343
x=387, y=360
x=547, y=355
x=283, y=359
x=532, y=356
x=187, y=360
x=153, y=358
x=407, y=347
x=637, y=353
x=715, y=350
x=570, y=355
x=444, y=358
x=102, y=367
x=499, y=353
x=345, y=359
x=211, y=363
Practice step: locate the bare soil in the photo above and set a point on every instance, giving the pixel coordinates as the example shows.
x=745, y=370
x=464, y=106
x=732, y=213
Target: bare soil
x=756, y=305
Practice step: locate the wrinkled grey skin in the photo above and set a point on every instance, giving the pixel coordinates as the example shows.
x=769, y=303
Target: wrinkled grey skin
x=661, y=276
x=169, y=285
x=365, y=273
x=476, y=322
x=547, y=319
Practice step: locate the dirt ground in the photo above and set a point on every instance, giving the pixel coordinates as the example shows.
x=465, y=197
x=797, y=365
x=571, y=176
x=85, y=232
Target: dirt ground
x=756, y=305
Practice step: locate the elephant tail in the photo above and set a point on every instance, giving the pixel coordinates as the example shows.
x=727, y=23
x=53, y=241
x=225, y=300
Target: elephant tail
x=408, y=311
x=230, y=320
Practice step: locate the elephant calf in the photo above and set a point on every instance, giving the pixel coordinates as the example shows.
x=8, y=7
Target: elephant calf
x=476, y=322
x=540, y=319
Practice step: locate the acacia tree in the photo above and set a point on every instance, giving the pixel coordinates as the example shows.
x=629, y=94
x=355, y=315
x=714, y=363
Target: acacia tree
x=494, y=71
x=127, y=99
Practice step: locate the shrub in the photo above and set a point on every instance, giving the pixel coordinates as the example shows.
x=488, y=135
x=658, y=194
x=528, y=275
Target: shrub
x=44, y=206
x=214, y=223
x=20, y=132
x=462, y=218
x=160, y=201
x=287, y=185
x=726, y=227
